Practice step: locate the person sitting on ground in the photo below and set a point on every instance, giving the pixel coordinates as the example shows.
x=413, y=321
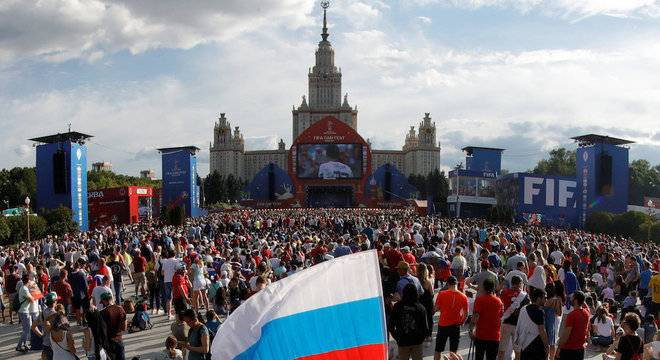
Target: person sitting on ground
x=171, y=352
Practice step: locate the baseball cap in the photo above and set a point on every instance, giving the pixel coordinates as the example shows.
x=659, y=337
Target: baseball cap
x=106, y=296
x=51, y=297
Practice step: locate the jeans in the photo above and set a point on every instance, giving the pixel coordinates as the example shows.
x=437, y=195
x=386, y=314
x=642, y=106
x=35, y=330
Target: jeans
x=116, y=350
x=602, y=340
x=154, y=296
x=117, y=286
x=26, y=322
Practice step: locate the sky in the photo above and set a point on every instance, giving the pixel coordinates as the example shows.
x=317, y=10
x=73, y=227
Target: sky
x=524, y=75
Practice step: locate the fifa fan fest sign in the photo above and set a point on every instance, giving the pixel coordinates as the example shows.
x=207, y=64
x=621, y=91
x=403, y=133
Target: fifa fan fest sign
x=180, y=186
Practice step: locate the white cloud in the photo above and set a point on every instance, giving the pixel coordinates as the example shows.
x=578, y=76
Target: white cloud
x=425, y=19
x=59, y=30
x=571, y=9
x=527, y=101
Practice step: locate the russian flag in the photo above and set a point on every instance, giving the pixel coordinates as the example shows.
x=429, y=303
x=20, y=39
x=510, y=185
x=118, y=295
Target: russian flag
x=333, y=310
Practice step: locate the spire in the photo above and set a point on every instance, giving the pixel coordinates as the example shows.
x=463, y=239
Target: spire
x=325, y=4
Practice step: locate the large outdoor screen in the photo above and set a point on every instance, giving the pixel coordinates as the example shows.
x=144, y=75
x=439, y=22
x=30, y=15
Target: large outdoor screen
x=329, y=161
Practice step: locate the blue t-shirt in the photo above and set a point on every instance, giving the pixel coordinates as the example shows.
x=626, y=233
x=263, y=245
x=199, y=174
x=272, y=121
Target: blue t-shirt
x=645, y=278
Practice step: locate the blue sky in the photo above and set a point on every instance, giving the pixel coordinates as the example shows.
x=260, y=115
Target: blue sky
x=524, y=75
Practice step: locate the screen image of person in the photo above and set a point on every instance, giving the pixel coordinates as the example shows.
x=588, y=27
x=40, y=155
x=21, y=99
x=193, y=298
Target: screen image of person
x=333, y=168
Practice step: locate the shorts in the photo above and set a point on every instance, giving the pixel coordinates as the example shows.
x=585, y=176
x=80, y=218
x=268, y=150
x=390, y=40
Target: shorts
x=451, y=333
x=199, y=285
x=180, y=305
x=167, y=291
x=140, y=280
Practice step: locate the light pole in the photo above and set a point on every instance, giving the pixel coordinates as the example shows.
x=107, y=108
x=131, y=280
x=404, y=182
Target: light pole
x=27, y=215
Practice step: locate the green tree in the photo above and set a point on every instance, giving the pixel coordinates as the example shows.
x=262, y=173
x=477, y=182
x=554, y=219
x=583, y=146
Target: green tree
x=628, y=223
x=562, y=162
x=18, y=227
x=644, y=181
x=599, y=222
x=214, y=189
x=60, y=221
x=108, y=179
x=5, y=231
x=16, y=184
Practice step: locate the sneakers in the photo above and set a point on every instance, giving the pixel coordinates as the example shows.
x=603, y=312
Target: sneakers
x=22, y=349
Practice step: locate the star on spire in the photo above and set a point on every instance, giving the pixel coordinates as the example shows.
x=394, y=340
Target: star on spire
x=325, y=5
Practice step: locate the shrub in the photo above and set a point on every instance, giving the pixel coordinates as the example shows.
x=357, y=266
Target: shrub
x=60, y=221
x=599, y=222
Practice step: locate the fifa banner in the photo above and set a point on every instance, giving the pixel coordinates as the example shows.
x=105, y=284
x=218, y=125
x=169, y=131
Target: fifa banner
x=333, y=310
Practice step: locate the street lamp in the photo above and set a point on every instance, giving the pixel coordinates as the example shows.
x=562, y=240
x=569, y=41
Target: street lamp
x=27, y=215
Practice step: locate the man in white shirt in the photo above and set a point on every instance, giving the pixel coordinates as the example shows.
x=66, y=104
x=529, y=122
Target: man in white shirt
x=334, y=169
x=99, y=290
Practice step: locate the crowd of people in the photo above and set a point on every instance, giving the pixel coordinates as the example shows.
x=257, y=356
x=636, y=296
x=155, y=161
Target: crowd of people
x=518, y=291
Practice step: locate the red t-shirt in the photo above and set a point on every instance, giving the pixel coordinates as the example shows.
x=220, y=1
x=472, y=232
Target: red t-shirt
x=490, y=310
x=178, y=282
x=453, y=307
x=139, y=264
x=393, y=257
x=410, y=259
x=578, y=321
x=507, y=297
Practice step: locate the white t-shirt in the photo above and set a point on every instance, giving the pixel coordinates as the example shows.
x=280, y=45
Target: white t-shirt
x=96, y=294
x=604, y=329
x=557, y=257
x=334, y=170
x=169, y=267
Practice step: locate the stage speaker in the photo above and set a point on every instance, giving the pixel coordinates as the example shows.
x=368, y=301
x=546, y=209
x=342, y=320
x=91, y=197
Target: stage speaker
x=271, y=183
x=605, y=174
x=59, y=172
x=387, y=186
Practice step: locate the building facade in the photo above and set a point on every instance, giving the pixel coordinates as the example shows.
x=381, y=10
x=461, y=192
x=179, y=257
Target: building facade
x=420, y=153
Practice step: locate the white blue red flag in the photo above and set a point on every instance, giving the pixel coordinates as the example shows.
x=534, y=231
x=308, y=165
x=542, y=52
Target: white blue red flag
x=333, y=310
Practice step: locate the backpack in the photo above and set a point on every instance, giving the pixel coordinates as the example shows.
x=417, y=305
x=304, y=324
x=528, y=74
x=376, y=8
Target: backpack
x=16, y=303
x=141, y=321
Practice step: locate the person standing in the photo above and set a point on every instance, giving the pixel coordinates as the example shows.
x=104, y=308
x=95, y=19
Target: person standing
x=485, y=324
x=116, y=268
x=168, y=266
x=61, y=340
x=139, y=267
x=426, y=299
x=64, y=290
x=41, y=326
x=180, y=290
x=27, y=312
x=453, y=307
x=79, y=298
x=12, y=280
x=114, y=317
x=513, y=299
x=573, y=335
x=531, y=337
x=198, y=344
x=409, y=325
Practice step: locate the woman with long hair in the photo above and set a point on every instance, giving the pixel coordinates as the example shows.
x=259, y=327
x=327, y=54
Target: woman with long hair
x=199, y=284
x=61, y=340
x=602, y=328
x=553, y=311
x=426, y=299
x=170, y=352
